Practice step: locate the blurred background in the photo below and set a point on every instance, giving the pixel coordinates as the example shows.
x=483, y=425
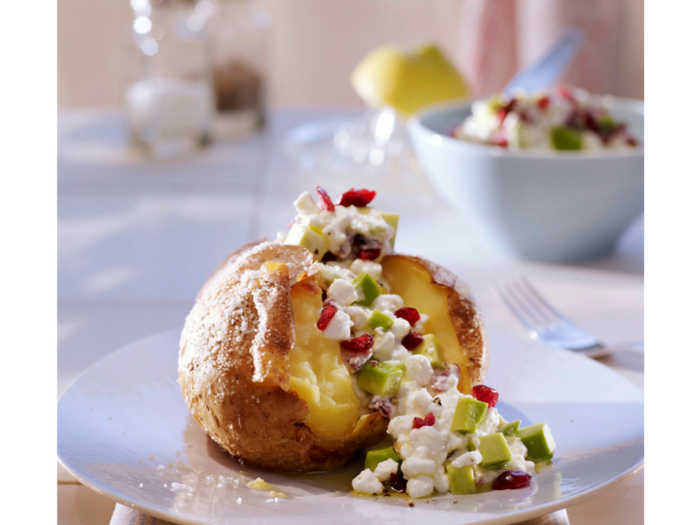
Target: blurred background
x=315, y=44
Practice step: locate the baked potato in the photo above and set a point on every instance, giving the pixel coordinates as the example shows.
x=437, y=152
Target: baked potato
x=259, y=376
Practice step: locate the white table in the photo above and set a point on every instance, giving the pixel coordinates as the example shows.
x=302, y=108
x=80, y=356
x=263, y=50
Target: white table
x=137, y=238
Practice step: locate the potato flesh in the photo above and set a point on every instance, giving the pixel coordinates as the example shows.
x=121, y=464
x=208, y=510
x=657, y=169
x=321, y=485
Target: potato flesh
x=318, y=374
x=415, y=285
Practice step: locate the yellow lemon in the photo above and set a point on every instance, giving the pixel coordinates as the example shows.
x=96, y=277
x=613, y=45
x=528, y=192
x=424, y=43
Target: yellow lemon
x=407, y=81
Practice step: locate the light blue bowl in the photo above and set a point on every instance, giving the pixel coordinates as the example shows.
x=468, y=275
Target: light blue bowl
x=546, y=206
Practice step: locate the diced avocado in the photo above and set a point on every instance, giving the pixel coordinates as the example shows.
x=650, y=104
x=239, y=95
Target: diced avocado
x=606, y=123
x=375, y=457
x=471, y=447
x=432, y=349
x=367, y=288
x=566, y=139
x=510, y=429
x=461, y=479
x=380, y=320
x=494, y=451
x=539, y=441
x=392, y=219
x=316, y=244
x=469, y=414
x=380, y=379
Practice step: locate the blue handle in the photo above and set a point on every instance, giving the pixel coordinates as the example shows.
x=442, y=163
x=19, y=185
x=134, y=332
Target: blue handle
x=548, y=69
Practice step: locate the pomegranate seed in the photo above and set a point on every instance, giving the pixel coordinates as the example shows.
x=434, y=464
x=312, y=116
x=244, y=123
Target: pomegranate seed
x=544, y=102
x=397, y=482
x=525, y=117
x=356, y=360
x=503, y=111
x=486, y=394
x=501, y=114
x=369, y=254
x=591, y=123
x=428, y=421
x=326, y=202
x=412, y=340
x=409, y=314
x=358, y=344
x=359, y=198
x=328, y=312
x=366, y=249
x=511, y=479
x=565, y=92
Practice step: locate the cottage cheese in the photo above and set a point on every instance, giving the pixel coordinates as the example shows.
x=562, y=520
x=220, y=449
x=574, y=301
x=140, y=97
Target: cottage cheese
x=342, y=292
x=425, y=451
x=526, y=121
x=385, y=469
x=367, y=483
x=345, y=221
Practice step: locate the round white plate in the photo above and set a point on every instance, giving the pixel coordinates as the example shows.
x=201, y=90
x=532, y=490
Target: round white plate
x=124, y=430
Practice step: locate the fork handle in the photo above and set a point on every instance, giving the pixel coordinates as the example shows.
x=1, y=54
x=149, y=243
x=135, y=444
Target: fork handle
x=628, y=346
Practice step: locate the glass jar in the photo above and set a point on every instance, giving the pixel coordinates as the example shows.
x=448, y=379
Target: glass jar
x=169, y=97
x=241, y=30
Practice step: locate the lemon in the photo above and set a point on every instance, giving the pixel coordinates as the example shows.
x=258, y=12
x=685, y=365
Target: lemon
x=407, y=80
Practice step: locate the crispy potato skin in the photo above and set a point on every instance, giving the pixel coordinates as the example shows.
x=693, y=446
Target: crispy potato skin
x=466, y=319
x=247, y=409
x=233, y=365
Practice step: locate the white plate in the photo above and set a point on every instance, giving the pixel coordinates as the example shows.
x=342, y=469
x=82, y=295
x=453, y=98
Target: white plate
x=124, y=430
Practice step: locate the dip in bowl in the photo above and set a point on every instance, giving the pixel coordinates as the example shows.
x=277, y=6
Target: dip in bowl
x=541, y=204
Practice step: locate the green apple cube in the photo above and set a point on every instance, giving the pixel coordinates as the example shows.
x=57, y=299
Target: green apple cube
x=469, y=414
x=510, y=429
x=392, y=219
x=375, y=457
x=432, y=349
x=380, y=379
x=461, y=479
x=380, y=320
x=315, y=243
x=494, y=451
x=566, y=139
x=367, y=288
x=539, y=442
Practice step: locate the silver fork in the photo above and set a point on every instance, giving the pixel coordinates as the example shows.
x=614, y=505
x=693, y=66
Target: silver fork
x=545, y=323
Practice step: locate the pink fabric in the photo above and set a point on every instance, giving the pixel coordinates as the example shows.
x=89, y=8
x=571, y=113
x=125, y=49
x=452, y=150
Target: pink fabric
x=487, y=44
x=496, y=38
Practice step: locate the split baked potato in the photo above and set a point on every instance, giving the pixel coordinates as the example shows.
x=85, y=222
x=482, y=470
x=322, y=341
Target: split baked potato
x=260, y=378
